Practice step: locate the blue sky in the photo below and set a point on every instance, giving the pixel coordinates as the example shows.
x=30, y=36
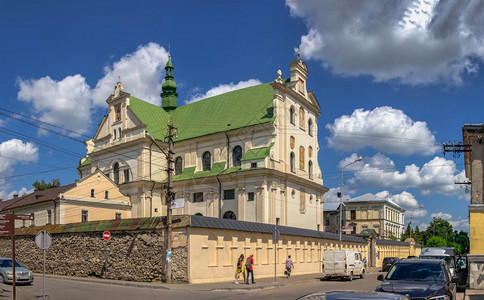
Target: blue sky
x=394, y=80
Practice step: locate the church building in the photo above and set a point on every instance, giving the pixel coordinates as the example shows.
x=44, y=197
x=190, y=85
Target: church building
x=249, y=154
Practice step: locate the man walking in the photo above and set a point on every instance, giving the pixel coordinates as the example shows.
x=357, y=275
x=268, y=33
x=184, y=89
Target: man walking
x=249, y=267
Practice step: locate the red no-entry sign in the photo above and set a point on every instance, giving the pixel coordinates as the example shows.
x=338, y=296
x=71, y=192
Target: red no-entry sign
x=106, y=235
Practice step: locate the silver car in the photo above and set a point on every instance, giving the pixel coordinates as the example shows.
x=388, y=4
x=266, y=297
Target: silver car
x=24, y=275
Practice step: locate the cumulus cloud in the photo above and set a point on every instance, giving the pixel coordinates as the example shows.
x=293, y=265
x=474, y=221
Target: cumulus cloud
x=385, y=129
x=221, y=89
x=438, y=175
x=68, y=103
x=9, y=195
x=414, y=42
x=461, y=224
x=441, y=215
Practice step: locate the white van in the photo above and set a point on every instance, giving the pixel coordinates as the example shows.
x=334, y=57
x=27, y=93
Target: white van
x=343, y=264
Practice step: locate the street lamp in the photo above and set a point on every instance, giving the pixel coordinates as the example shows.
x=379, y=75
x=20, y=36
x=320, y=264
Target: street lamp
x=341, y=198
x=411, y=217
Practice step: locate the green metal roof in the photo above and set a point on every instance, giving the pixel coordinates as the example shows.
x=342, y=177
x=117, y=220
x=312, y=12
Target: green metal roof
x=257, y=153
x=154, y=117
x=86, y=162
x=189, y=172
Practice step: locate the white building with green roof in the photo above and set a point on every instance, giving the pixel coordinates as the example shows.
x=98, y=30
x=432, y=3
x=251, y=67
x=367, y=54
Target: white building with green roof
x=249, y=154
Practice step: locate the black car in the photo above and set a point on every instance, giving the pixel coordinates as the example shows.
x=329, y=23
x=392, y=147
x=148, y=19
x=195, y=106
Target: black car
x=419, y=279
x=388, y=263
x=352, y=295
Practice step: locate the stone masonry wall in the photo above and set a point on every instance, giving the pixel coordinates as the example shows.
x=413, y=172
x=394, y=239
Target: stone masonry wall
x=132, y=255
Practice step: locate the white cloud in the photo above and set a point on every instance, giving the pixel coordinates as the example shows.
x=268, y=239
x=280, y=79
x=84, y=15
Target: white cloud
x=9, y=195
x=141, y=73
x=221, y=89
x=385, y=129
x=441, y=215
x=68, y=103
x=414, y=42
x=438, y=175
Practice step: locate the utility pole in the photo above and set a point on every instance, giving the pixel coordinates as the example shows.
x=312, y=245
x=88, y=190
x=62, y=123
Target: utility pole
x=170, y=196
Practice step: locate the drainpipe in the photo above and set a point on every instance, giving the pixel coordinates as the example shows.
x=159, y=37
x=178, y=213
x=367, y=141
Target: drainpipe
x=151, y=198
x=220, y=183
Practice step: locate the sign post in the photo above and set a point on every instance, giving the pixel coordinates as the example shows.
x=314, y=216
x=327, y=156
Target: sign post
x=43, y=241
x=106, y=237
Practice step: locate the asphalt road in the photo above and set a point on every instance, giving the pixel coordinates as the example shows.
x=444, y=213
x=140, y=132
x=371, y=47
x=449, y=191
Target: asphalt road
x=60, y=289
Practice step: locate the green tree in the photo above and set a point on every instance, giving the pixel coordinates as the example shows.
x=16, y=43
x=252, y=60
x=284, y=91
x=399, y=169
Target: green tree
x=457, y=247
x=408, y=232
x=436, y=241
x=441, y=228
x=462, y=239
x=417, y=235
x=42, y=186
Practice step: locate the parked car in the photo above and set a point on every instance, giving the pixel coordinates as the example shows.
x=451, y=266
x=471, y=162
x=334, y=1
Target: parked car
x=420, y=279
x=462, y=272
x=353, y=295
x=342, y=264
x=24, y=275
x=387, y=263
x=446, y=253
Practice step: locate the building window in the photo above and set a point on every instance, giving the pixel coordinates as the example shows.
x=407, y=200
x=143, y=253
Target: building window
x=253, y=165
x=310, y=127
x=207, y=161
x=119, y=133
x=178, y=165
x=114, y=134
x=293, y=162
x=310, y=152
x=106, y=195
x=250, y=196
x=291, y=115
x=199, y=214
x=117, y=216
x=116, y=173
x=301, y=117
x=49, y=216
x=352, y=214
x=229, y=194
x=84, y=216
x=117, y=116
x=301, y=157
x=126, y=175
x=198, y=197
x=230, y=215
x=92, y=193
x=302, y=202
x=236, y=156
x=310, y=169
x=292, y=142
x=326, y=221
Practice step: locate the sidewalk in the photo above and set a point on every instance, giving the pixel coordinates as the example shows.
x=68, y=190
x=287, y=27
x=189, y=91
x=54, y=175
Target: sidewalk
x=261, y=283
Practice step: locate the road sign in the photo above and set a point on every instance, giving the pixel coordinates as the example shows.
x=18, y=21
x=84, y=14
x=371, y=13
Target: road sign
x=24, y=217
x=43, y=240
x=106, y=235
x=6, y=224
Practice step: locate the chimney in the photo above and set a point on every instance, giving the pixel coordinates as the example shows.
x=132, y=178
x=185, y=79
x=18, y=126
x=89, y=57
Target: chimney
x=15, y=196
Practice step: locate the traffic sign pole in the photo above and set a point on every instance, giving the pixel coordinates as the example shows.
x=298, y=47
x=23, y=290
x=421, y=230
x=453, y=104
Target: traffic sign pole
x=106, y=237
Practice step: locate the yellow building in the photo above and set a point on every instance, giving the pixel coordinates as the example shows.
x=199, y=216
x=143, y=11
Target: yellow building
x=473, y=148
x=92, y=198
x=372, y=212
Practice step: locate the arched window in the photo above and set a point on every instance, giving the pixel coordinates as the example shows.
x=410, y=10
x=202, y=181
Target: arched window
x=198, y=214
x=310, y=127
x=207, y=161
x=118, y=112
x=106, y=195
x=178, y=165
x=293, y=163
x=114, y=134
x=310, y=169
x=292, y=142
x=119, y=133
x=301, y=157
x=230, y=215
x=116, y=173
x=301, y=117
x=92, y=193
x=236, y=156
x=292, y=116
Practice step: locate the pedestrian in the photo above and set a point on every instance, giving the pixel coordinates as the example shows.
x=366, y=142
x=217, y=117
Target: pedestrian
x=365, y=262
x=289, y=266
x=249, y=263
x=240, y=269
